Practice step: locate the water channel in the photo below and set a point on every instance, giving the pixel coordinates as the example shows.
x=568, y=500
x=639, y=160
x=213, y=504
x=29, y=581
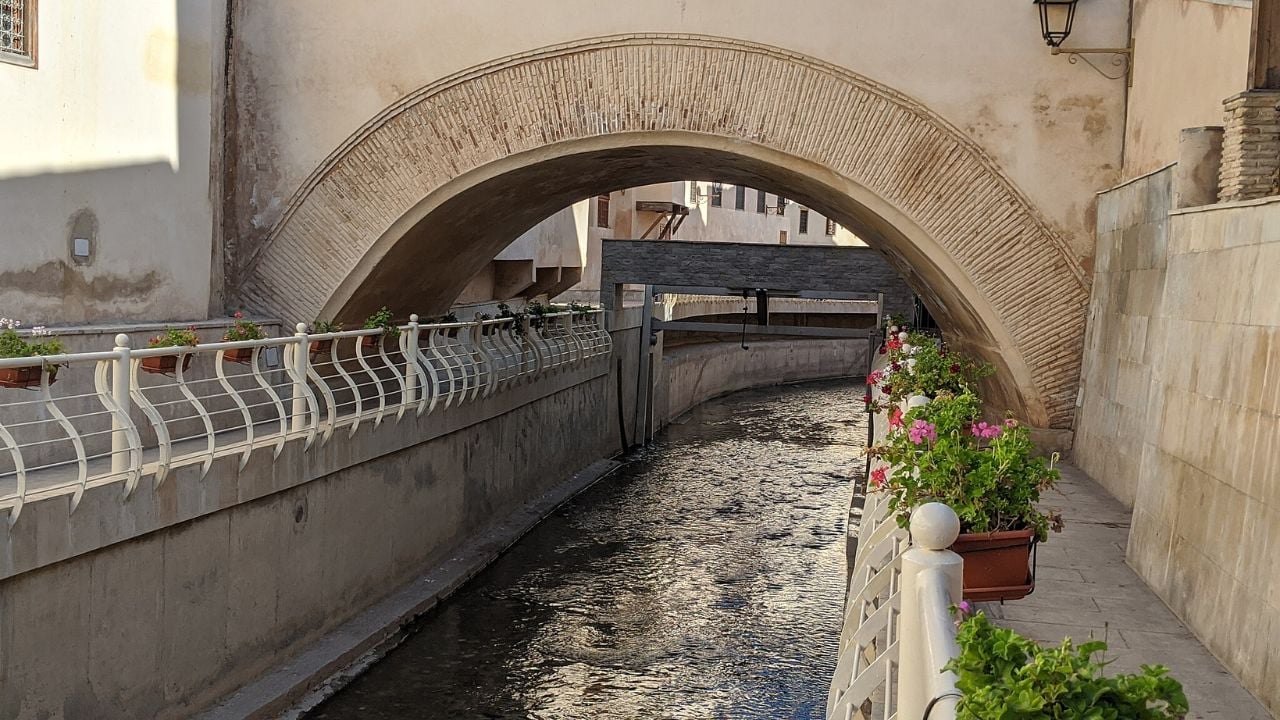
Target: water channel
x=703, y=580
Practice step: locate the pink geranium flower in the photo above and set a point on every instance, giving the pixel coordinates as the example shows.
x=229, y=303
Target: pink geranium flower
x=895, y=418
x=985, y=430
x=878, y=477
x=921, y=431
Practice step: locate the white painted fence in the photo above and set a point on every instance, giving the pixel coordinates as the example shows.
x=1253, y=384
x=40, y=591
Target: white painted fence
x=898, y=629
x=137, y=424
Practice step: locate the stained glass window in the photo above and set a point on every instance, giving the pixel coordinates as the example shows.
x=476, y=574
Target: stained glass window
x=15, y=31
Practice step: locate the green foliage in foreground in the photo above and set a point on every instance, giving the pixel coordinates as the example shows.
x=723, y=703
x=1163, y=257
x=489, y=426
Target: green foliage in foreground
x=1004, y=676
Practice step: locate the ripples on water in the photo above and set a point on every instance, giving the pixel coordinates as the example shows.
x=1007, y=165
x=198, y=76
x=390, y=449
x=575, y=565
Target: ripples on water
x=702, y=580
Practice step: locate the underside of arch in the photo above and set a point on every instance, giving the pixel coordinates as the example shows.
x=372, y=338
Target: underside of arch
x=397, y=213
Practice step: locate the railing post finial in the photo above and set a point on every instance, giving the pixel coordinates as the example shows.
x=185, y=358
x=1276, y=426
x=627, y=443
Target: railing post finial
x=934, y=526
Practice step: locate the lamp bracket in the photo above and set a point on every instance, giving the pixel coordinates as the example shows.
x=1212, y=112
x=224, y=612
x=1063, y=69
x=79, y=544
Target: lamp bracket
x=1120, y=58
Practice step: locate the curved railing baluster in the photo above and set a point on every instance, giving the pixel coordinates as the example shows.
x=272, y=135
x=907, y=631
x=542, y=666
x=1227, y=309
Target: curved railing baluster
x=374, y=379
x=219, y=369
x=331, y=406
x=20, y=474
x=357, y=401
x=395, y=372
x=200, y=410
x=164, y=442
x=282, y=416
x=300, y=382
x=129, y=428
x=82, y=463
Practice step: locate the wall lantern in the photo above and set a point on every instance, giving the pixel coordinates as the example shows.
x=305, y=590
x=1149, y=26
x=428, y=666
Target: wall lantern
x=1056, y=19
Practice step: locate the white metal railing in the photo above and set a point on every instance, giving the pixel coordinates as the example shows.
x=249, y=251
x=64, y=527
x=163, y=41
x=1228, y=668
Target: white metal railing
x=154, y=409
x=898, y=631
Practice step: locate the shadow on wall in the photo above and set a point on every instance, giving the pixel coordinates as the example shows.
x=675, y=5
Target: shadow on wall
x=147, y=223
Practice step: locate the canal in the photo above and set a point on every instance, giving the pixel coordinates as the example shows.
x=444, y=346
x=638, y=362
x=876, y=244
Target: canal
x=703, y=579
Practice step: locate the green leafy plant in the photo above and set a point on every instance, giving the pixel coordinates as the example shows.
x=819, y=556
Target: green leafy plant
x=324, y=326
x=243, y=329
x=921, y=366
x=13, y=345
x=537, y=313
x=1005, y=676
x=449, y=317
x=175, y=337
x=382, y=320
x=580, y=308
x=987, y=473
x=505, y=311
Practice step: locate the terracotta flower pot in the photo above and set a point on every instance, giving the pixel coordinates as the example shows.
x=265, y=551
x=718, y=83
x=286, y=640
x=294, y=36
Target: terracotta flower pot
x=238, y=355
x=165, y=364
x=320, y=347
x=997, y=565
x=26, y=377
x=370, y=342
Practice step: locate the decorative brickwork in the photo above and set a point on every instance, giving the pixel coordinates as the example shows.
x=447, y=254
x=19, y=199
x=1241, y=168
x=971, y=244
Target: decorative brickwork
x=1250, y=146
x=753, y=95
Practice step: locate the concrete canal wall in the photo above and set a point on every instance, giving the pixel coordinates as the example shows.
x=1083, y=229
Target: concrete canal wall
x=233, y=593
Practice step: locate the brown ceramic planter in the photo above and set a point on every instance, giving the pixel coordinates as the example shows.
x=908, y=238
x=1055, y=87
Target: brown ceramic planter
x=165, y=364
x=238, y=355
x=320, y=347
x=370, y=342
x=26, y=377
x=997, y=565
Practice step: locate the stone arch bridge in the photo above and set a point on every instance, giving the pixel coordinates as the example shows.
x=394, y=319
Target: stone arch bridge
x=391, y=181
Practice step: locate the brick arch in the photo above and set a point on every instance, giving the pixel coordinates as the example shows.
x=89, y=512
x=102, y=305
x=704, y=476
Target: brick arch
x=943, y=202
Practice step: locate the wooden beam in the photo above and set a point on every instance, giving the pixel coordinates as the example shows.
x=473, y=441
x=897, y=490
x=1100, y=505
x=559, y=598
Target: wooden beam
x=1264, y=46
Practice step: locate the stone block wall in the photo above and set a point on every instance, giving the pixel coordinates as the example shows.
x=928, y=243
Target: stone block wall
x=1181, y=412
x=1128, y=285
x=1250, y=146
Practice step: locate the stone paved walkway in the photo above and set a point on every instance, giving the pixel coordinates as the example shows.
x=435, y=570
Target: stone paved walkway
x=1084, y=588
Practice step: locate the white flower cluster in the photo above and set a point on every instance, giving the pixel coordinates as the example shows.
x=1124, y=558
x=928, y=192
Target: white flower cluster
x=36, y=331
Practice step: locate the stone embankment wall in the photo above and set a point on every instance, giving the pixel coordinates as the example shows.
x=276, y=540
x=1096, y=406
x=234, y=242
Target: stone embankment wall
x=693, y=374
x=234, y=592
x=1180, y=413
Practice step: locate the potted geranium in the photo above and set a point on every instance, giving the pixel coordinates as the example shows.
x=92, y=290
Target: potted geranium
x=446, y=319
x=1001, y=674
x=171, y=337
x=505, y=311
x=241, y=330
x=318, y=347
x=919, y=366
x=943, y=451
x=13, y=346
x=381, y=320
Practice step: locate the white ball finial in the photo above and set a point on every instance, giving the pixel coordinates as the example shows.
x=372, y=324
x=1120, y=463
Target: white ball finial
x=300, y=328
x=916, y=401
x=934, y=526
x=413, y=318
x=903, y=336
x=122, y=340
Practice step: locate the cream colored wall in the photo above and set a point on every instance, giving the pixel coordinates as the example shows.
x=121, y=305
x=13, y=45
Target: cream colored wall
x=1053, y=127
x=1181, y=411
x=1190, y=56
x=110, y=137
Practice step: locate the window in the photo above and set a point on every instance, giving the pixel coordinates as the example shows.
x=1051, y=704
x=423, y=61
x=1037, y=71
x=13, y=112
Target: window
x=782, y=206
x=804, y=222
x=782, y=237
x=760, y=203
x=831, y=226
x=717, y=195
x=739, y=198
x=602, y=209
x=18, y=32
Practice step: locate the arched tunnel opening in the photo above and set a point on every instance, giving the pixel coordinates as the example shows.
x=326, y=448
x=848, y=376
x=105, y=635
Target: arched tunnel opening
x=427, y=258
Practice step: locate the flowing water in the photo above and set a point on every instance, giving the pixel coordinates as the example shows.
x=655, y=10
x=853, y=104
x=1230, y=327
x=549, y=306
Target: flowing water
x=701, y=580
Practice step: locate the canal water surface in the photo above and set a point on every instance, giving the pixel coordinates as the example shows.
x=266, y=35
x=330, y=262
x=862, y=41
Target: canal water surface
x=701, y=580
